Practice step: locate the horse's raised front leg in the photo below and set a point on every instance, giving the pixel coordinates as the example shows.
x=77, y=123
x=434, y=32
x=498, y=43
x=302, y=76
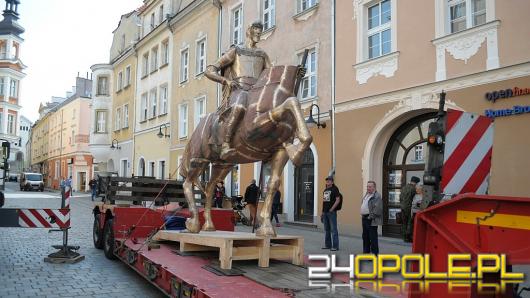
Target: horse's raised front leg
x=192, y=223
x=277, y=163
x=295, y=151
x=219, y=173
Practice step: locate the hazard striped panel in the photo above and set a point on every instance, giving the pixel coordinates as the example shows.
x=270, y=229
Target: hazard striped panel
x=467, y=154
x=44, y=218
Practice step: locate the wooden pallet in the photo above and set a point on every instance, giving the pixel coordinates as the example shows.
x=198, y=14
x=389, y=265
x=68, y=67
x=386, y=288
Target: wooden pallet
x=234, y=246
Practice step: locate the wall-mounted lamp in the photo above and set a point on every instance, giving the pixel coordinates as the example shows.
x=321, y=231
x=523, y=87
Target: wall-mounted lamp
x=311, y=121
x=115, y=147
x=165, y=134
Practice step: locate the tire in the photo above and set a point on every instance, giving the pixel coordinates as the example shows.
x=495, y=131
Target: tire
x=245, y=221
x=108, y=240
x=97, y=232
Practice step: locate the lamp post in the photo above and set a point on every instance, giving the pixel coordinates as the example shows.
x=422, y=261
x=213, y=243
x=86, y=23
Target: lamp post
x=165, y=134
x=311, y=121
x=115, y=147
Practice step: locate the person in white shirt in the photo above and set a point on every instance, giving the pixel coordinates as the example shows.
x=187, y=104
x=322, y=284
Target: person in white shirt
x=372, y=217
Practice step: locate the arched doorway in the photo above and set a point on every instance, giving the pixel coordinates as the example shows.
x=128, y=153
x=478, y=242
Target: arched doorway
x=404, y=157
x=304, y=188
x=141, y=167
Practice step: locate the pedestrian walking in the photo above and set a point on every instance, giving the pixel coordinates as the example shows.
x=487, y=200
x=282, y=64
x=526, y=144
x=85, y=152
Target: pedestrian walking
x=219, y=195
x=62, y=186
x=93, y=184
x=416, y=203
x=252, y=194
x=331, y=201
x=372, y=217
x=405, y=198
x=276, y=206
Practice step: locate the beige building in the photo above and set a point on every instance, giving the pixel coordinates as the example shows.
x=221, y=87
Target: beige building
x=195, y=46
x=394, y=61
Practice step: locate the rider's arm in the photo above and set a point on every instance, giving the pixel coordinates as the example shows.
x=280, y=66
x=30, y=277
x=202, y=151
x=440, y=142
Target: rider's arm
x=212, y=71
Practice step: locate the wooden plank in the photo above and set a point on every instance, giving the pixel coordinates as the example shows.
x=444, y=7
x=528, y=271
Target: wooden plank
x=184, y=247
x=264, y=253
x=145, y=198
x=225, y=255
x=145, y=180
x=147, y=189
x=245, y=253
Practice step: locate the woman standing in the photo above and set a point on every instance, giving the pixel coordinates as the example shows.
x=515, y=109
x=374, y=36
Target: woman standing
x=219, y=194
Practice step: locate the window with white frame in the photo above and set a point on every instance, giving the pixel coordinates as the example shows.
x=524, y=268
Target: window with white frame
x=152, y=22
x=120, y=81
x=201, y=56
x=161, y=14
x=117, y=123
x=145, y=64
x=127, y=76
x=163, y=99
x=418, y=152
x=379, y=29
x=123, y=168
x=183, y=120
x=154, y=59
x=464, y=14
x=13, y=88
x=143, y=107
x=56, y=169
x=309, y=82
x=304, y=5
x=184, y=62
x=269, y=14
x=200, y=110
x=101, y=121
x=126, y=116
x=237, y=25
x=165, y=52
x=153, y=101
x=162, y=169
x=11, y=124
x=2, y=86
x=103, y=85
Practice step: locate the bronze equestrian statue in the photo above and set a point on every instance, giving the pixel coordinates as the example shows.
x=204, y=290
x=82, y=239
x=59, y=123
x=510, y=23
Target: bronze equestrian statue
x=259, y=120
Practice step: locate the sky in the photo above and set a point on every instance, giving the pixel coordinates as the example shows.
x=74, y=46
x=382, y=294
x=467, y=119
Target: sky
x=63, y=38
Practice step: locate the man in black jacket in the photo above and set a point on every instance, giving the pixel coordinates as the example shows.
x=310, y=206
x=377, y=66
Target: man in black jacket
x=331, y=201
x=251, y=197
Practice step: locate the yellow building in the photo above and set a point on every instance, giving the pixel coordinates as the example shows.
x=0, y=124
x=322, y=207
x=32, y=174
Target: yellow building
x=195, y=45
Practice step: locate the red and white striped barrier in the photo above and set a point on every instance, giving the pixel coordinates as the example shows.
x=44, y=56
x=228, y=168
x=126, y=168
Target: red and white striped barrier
x=67, y=192
x=467, y=156
x=44, y=218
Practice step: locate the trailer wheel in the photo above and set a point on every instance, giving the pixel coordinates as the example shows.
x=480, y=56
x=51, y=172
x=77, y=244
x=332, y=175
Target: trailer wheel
x=97, y=232
x=108, y=240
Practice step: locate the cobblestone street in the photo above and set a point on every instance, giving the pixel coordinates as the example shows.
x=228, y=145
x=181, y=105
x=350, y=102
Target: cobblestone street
x=23, y=272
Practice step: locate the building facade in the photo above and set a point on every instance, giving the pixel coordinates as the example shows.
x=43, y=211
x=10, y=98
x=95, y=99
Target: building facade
x=394, y=64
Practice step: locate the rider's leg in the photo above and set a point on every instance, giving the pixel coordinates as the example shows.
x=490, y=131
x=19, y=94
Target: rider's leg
x=237, y=113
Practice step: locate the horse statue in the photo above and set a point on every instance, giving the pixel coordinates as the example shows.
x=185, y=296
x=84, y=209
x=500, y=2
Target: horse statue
x=272, y=130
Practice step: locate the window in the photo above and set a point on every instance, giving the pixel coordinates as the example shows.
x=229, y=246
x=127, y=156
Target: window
x=3, y=50
x=2, y=86
x=122, y=42
x=183, y=121
x=161, y=169
x=153, y=102
x=152, y=168
x=145, y=64
x=184, y=60
x=123, y=168
x=269, y=14
x=72, y=138
x=143, y=107
x=237, y=25
x=101, y=121
x=464, y=14
x=304, y=5
x=165, y=52
x=11, y=124
x=309, y=82
x=120, y=81
x=56, y=169
x=103, y=86
x=152, y=23
x=117, y=123
x=154, y=59
x=127, y=76
x=13, y=88
x=126, y=116
x=201, y=56
x=163, y=100
x=161, y=14
x=379, y=37
x=418, y=152
x=200, y=110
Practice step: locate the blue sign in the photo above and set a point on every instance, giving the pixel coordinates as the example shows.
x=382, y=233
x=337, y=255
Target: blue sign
x=507, y=112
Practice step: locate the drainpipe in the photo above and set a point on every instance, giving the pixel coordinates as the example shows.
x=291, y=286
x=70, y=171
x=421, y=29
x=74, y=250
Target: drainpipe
x=219, y=43
x=333, y=31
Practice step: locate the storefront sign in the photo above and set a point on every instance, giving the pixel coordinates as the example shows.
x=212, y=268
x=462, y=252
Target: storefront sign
x=507, y=112
x=493, y=96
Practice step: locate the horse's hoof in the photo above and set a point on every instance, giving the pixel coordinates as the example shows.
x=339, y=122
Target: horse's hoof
x=208, y=227
x=193, y=225
x=266, y=231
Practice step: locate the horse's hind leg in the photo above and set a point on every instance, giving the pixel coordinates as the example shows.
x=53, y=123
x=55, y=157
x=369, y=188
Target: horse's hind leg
x=219, y=172
x=192, y=178
x=277, y=163
x=292, y=105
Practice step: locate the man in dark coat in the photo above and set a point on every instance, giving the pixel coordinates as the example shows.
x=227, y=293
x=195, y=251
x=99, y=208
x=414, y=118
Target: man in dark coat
x=405, y=198
x=252, y=194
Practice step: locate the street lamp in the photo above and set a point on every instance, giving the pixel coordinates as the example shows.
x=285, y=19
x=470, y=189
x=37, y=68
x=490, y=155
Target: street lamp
x=311, y=121
x=165, y=134
x=115, y=147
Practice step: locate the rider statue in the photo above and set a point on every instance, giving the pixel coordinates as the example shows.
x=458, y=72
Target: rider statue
x=240, y=68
